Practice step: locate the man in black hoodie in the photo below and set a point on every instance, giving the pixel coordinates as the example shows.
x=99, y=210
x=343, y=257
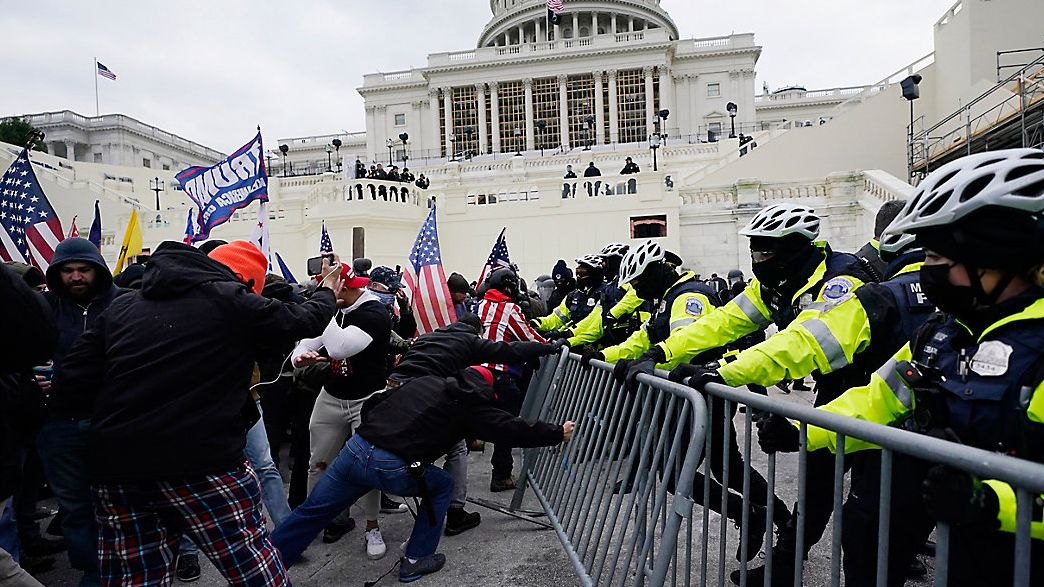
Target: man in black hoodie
x=444, y=352
x=169, y=367
x=80, y=288
x=402, y=433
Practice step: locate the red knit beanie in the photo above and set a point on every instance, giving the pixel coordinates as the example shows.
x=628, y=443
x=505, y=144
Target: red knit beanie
x=484, y=372
x=245, y=260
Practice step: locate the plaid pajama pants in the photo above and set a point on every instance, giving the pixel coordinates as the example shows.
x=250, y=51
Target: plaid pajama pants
x=140, y=524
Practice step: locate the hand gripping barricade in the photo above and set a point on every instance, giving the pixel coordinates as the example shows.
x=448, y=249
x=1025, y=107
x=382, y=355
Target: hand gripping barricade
x=658, y=435
x=618, y=493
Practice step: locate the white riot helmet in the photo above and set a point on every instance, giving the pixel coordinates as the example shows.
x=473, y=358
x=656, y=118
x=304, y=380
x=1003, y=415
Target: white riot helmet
x=615, y=250
x=591, y=262
x=894, y=243
x=638, y=259
x=1012, y=178
x=779, y=220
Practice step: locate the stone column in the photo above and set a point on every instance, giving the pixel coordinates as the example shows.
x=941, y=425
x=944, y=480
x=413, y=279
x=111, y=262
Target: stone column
x=494, y=111
x=538, y=38
x=650, y=106
x=594, y=24
x=630, y=24
x=612, y=23
x=528, y=85
x=563, y=110
x=614, y=118
x=70, y=151
x=576, y=25
x=432, y=136
x=521, y=34
x=599, y=107
x=480, y=95
x=447, y=103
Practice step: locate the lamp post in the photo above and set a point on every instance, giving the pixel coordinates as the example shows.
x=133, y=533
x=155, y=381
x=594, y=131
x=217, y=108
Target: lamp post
x=912, y=91
x=329, y=164
x=157, y=186
x=541, y=126
x=732, y=108
x=284, y=149
x=404, y=137
x=337, y=146
x=268, y=163
x=390, y=145
x=452, y=140
x=657, y=137
x=518, y=142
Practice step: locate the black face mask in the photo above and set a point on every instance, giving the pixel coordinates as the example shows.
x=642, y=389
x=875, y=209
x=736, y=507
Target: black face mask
x=957, y=300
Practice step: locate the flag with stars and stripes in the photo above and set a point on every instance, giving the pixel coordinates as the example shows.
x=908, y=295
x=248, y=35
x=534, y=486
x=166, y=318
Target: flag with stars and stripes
x=498, y=257
x=31, y=228
x=554, y=12
x=426, y=280
x=105, y=71
x=190, y=228
x=325, y=244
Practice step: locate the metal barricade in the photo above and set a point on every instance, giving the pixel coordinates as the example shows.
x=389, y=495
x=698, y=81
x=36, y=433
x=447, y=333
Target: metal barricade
x=617, y=494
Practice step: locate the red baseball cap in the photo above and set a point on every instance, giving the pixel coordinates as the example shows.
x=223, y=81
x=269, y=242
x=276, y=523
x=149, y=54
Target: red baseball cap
x=351, y=280
x=484, y=372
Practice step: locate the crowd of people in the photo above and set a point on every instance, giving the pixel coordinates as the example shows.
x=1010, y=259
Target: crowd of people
x=155, y=405
x=392, y=173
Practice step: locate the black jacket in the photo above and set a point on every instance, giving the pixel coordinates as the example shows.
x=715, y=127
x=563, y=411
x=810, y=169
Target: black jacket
x=173, y=364
x=424, y=418
x=452, y=348
x=28, y=339
x=365, y=372
x=591, y=171
x=73, y=318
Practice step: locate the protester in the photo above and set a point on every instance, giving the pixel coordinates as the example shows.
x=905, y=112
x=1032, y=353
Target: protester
x=504, y=321
x=629, y=167
x=564, y=283
x=167, y=369
x=591, y=170
x=80, y=289
x=569, y=174
x=402, y=433
x=360, y=169
x=30, y=339
x=461, y=293
x=422, y=182
x=354, y=346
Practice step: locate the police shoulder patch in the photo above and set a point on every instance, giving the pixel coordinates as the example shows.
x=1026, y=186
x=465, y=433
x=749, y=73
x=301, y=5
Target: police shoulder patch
x=837, y=288
x=693, y=306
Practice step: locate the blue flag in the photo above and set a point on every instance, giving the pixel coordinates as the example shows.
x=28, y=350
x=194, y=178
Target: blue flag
x=95, y=234
x=289, y=277
x=220, y=190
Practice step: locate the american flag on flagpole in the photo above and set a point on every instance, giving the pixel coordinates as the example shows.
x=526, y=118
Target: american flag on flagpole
x=498, y=257
x=31, y=228
x=105, y=71
x=426, y=280
x=325, y=244
x=73, y=231
x=554, y=11
x=190, y=228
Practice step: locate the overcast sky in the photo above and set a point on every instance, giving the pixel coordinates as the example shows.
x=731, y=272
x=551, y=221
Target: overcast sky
x=210, y=71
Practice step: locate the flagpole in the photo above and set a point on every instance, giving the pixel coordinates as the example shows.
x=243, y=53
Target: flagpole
x=97, y=109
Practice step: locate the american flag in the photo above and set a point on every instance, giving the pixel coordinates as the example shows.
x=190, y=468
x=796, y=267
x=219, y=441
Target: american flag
x=73, y=231
x=426, y=280
x=190, y=228
x=498, y=257
x=325, y=245
x=106, y=72
x=95, y=234
x=31, y=228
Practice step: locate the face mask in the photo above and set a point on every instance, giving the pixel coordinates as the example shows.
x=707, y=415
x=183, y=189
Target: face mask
x=957, y=300
x=771, y=272
x=386, y=298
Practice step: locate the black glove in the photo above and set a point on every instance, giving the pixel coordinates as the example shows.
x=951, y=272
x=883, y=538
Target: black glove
x=620, y=369
x=777, y=434
x=585, y=360
x=608, y=320
x=552, y=335
x=558, y=343
x=645, y=364
x=951, y=495
x=698, y=375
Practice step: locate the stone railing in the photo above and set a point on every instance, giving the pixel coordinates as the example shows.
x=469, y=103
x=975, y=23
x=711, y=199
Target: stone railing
x=883, y=186
x=879, y=186
x=795, y=96
x=66, y=177
x=376, y=190
x=550, y=48
x=580, y=187
x=351, y=138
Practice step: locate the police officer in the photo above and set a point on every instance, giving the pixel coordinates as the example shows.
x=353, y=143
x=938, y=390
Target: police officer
x=870, y=253
x=975, y=373
x=617, y=316
x=680, y=300
x=792, y=274
x=863, y=329
x=590, y=283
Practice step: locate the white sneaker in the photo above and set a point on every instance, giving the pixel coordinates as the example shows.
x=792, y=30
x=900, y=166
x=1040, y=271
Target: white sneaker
x=375, y=547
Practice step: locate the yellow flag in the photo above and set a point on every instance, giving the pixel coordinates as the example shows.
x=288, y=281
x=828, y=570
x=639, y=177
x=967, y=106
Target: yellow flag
x=131, y=242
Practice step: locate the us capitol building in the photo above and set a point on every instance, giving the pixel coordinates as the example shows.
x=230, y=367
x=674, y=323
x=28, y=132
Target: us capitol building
x=494, y=128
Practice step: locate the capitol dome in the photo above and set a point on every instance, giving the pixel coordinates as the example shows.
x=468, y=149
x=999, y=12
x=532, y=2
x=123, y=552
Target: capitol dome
x=525, y=21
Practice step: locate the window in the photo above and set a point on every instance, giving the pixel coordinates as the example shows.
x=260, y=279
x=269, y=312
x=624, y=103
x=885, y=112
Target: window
x=400, y=120
x=146, y=163
x=649, y=226
x=166, y=167
x=97, y=157
x=630, y=99
x=715, y=127
x=713, y=90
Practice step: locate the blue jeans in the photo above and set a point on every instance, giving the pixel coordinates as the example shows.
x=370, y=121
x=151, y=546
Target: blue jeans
x=62, y=445
x=8, y=530
x=259, y=453
x=359, y=468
